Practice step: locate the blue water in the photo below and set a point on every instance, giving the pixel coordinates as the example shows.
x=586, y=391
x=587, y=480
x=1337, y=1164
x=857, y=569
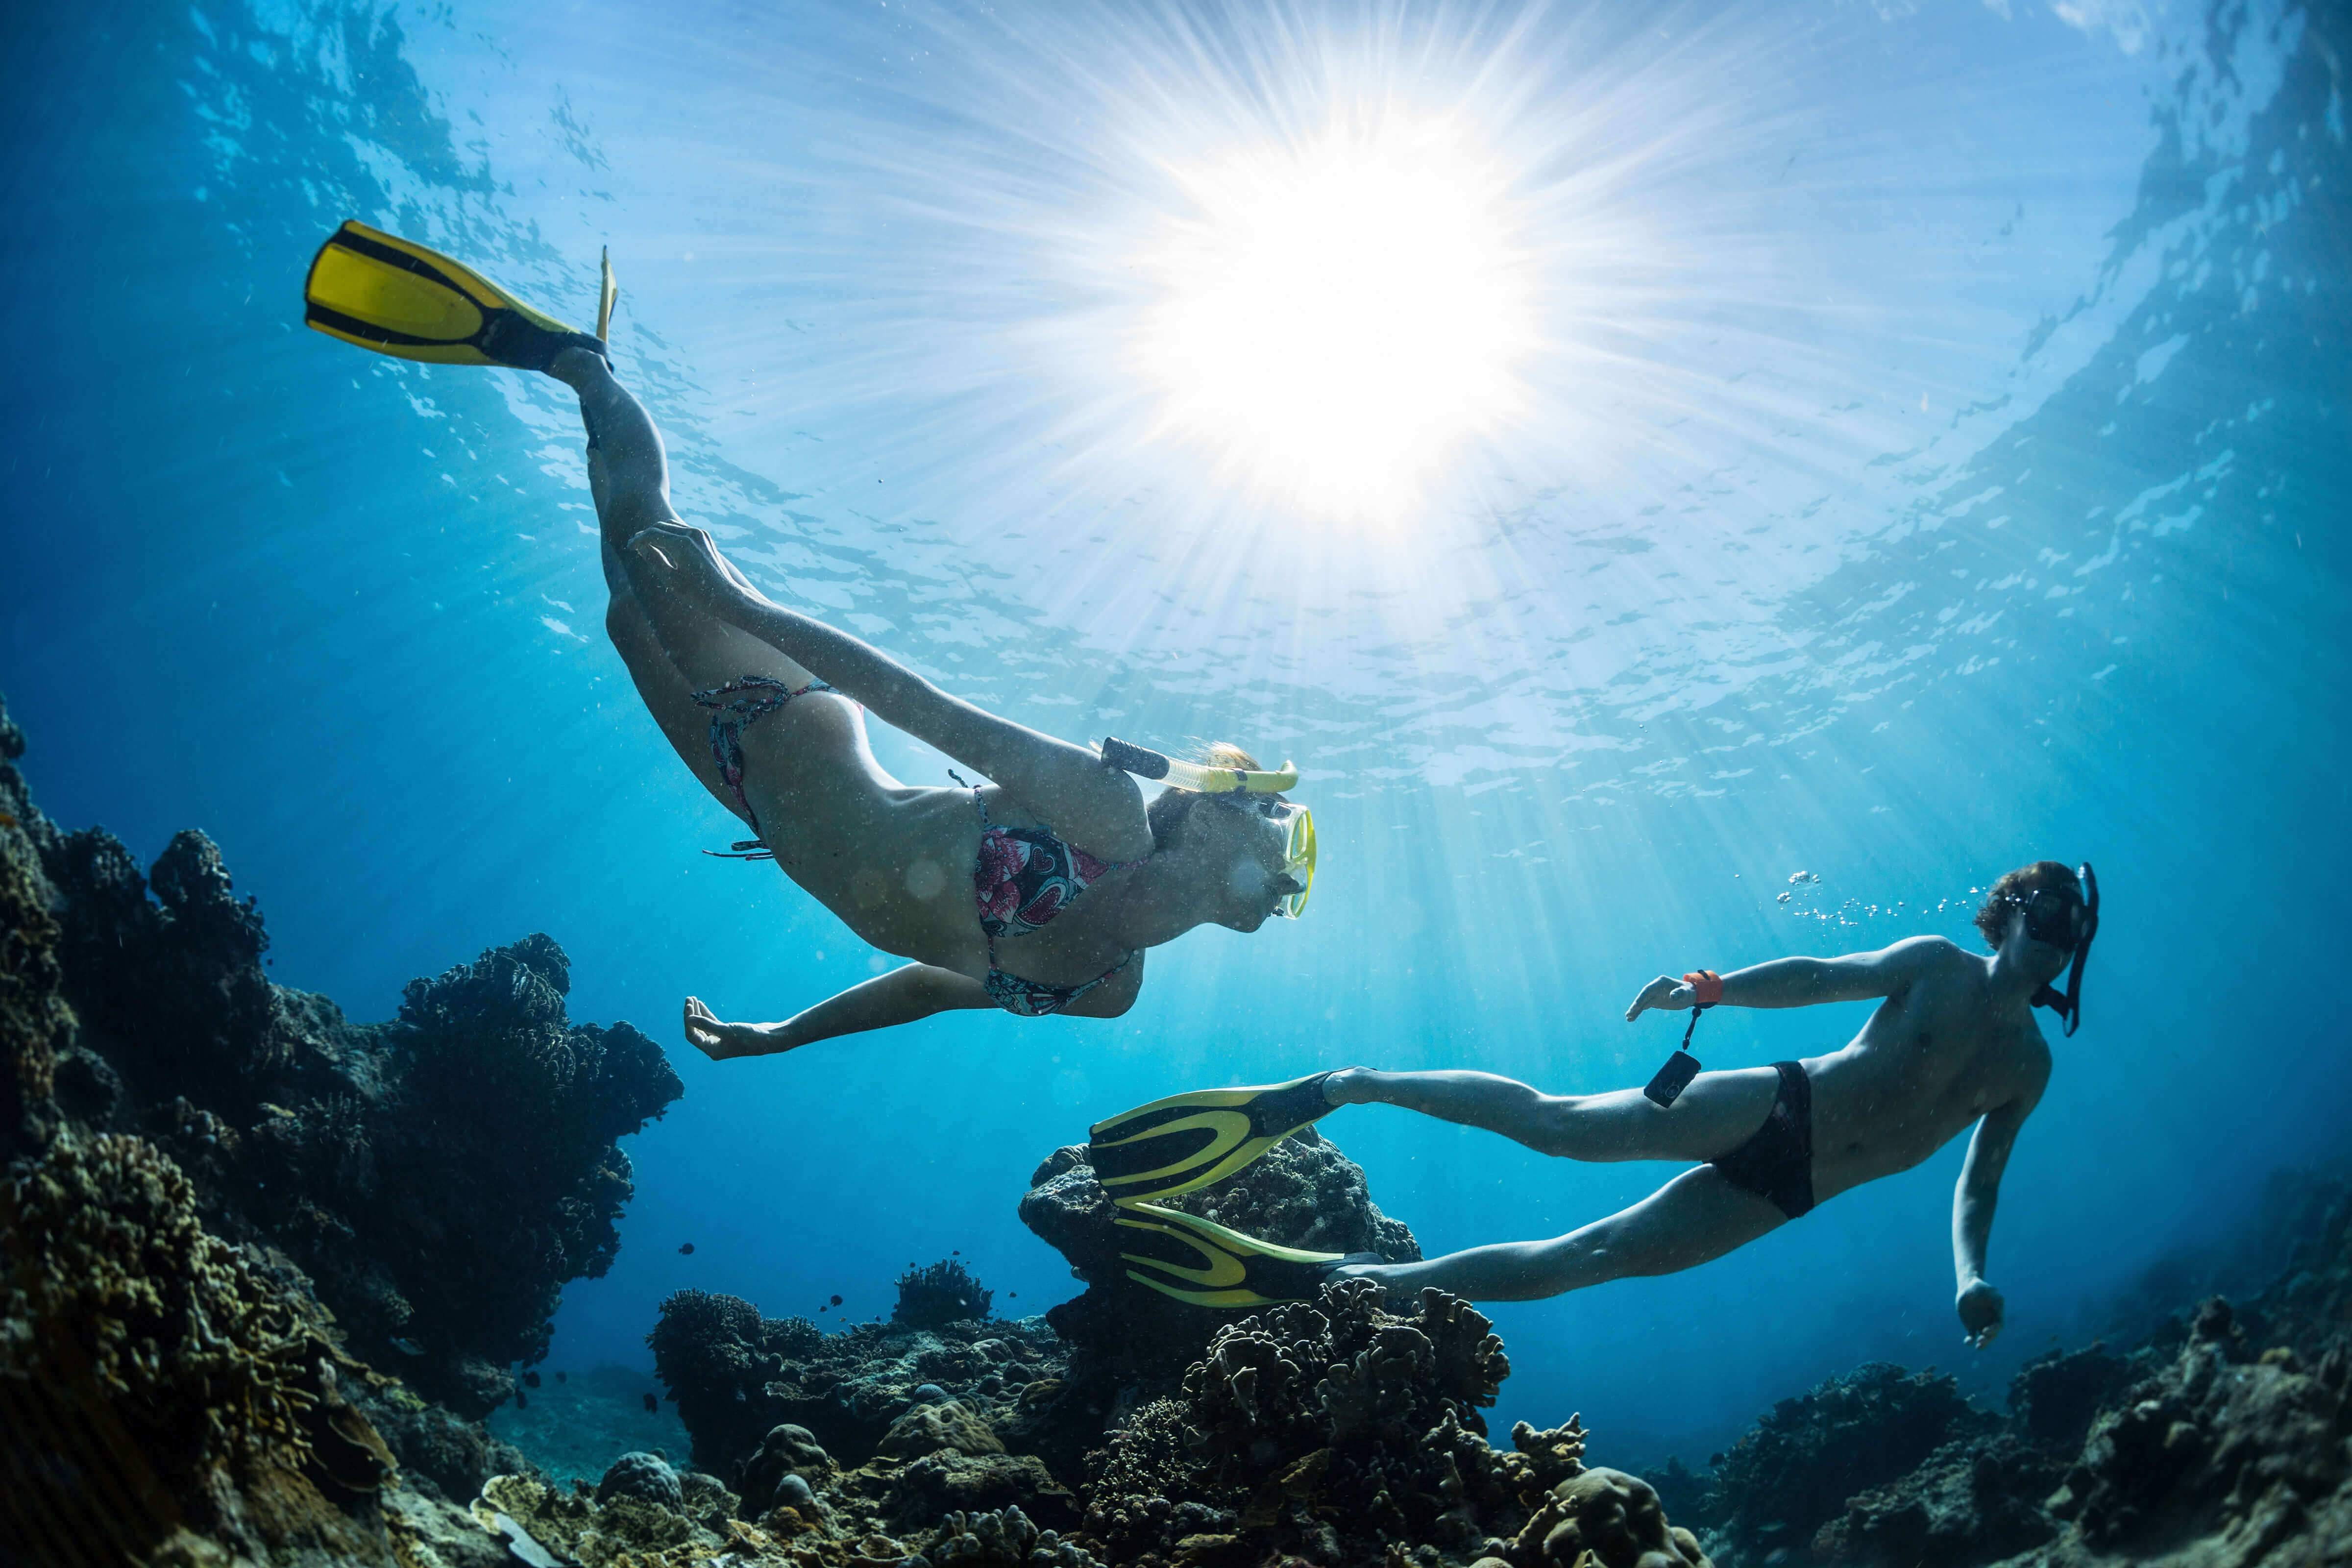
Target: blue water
x=1933, y=459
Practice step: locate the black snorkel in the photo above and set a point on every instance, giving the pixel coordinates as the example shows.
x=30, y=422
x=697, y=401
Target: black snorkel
x=2069, y=1007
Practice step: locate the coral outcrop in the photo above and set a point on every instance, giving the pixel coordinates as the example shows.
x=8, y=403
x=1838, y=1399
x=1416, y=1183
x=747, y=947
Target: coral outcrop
x=157, y=1381
x=1337, y=1433
x=219, y=1196
x=945, y=1292
x=735, y=1375
x=438, y=1177
x=1128, y=1342
x=1793, y=1471
x=2225, y=1438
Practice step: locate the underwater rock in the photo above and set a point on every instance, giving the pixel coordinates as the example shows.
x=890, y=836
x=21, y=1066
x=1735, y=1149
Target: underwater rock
x=1970, y=1503
x=2056, y=1396
x=946, y=1481
x=2201, y=1446
x=928, y=1428
x=2221, y=1436
x=439, y=1453
x=1794, y=1470
x=645, y=1476
x=1128, y=1342
x=736, y=1375
x=787, y=1454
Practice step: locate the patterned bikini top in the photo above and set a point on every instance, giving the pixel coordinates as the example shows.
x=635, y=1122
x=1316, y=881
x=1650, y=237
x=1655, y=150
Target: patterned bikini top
x=1023, y=878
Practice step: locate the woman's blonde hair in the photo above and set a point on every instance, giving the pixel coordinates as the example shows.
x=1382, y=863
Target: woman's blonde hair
x=1174, y=805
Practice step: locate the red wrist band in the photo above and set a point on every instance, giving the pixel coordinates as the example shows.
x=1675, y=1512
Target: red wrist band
x=1708, y=986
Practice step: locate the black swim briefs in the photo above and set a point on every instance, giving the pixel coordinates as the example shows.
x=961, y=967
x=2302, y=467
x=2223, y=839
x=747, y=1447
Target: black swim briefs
x=1776, y=1161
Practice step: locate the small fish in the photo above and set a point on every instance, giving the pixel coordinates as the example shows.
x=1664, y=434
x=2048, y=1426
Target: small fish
x=1009, y=1295
x=559, y=1377
x=836, y=1300
x=6, y=820
x=407, y=1347
x=520, y=1402
x=955, y=1252
x=652, y=1405
x=530, y=1380
x=688, y=1250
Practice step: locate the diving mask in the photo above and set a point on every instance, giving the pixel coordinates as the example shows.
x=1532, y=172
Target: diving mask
x=1297, y=824
x=2068, y=923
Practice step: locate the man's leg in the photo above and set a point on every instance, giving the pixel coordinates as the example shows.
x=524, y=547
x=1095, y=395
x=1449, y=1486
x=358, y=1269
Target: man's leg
x=1714, y=1115
x=1696, y=1218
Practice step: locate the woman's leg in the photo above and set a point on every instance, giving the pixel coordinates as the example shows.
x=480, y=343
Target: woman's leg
x=629, y=475
x=1696, y=1218
x=1714, y=1115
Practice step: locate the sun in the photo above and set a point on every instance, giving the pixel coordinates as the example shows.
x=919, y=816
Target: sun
x=1333, y=321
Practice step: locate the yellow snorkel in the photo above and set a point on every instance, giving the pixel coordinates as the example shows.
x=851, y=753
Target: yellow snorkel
x=1298, y=823
x=1147, y=764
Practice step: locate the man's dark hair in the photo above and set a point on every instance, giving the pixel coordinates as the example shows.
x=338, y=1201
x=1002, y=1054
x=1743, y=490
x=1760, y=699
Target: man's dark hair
x=2006, y=897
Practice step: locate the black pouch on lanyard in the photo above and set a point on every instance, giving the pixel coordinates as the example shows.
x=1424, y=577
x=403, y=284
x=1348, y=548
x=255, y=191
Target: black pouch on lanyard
x=1680, y=1068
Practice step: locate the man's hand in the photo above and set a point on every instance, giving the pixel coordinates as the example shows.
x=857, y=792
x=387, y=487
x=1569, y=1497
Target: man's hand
x=717, y=1038
x=1666, y=991
x=1981, y=1310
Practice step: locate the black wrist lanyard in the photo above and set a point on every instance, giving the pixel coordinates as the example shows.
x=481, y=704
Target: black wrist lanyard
x=1680, y=1068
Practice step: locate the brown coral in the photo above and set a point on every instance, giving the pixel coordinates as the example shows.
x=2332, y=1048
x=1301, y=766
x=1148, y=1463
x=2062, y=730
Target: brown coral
x=136, y=1347
x=1605, y=1519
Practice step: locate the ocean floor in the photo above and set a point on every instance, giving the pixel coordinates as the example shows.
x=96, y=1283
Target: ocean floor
x=577, y=1422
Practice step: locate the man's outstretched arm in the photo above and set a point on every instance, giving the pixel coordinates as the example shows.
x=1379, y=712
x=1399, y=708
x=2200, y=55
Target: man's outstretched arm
x=1974, y=1199
x=1802, y=982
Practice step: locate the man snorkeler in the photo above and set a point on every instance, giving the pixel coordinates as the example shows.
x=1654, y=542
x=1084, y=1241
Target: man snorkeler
x=1953, y=1041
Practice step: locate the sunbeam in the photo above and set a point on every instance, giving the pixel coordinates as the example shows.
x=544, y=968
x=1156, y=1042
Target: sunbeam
x=1334, y=318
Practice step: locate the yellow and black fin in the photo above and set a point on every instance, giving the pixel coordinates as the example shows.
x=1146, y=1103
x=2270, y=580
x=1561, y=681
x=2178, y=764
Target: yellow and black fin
x=398, y=298
x=1189, y=1141
x=1208, y=1265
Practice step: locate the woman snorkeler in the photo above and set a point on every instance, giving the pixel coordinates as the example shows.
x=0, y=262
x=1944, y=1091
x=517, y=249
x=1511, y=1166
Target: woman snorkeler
x=768, y=708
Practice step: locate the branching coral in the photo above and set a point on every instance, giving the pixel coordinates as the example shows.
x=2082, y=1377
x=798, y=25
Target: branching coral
x=945, y=1292
x=143, y=1348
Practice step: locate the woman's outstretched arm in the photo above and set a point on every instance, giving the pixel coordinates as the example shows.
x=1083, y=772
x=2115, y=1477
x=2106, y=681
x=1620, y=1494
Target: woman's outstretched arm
x=901, y=996
x=1087, y=801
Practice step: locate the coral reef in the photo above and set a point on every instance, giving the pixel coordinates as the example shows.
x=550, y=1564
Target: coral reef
x=943, y=1293
x=438, y=1177
x=576, y=1422
x=156, y=1381
x=1128, y=1342
x=218, y=1191
x=736, y=1375
x=1793, y=1471
x=2220, y=1440
x=1332, y=1431
x=1337, y=1433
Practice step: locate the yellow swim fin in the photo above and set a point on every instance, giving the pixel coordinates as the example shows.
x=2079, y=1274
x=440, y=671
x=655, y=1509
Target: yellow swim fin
x=1204, y=1263
x=396, y=297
